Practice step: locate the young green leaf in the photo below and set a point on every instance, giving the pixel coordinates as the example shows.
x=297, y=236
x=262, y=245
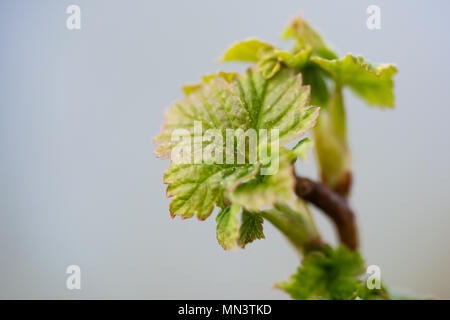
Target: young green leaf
x=297, y=60
x=307, y=38
x=268, y=63
x=227, y=76
x=373, y=83
x=227, y=227
x=302, y=148
x=316, y=78
x=265, y=190
x=330, y=274
x=270, y=97
x=245, y=51
x=248, y=101
x=197, y=188
x=271, y=60
x=251, y=228
x=277, y=103
x=268, y=58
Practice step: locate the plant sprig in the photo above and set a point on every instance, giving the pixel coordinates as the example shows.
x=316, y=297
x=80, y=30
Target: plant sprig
x=281, y=90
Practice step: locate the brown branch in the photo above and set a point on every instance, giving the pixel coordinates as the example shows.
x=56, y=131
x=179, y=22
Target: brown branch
x=333, y=205
x=345, y=184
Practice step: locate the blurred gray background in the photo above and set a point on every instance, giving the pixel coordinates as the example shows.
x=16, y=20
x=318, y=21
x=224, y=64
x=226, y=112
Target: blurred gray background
x=79, y=183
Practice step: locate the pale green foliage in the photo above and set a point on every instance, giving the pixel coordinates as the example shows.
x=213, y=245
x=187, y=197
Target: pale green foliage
x=294, y=60
x=247, y=50
x=372, y=83
x=329, y=274
x=269, y=59
x=246, y=101
x=227, y=227
x=336, y=274
x=197, y=188
x=227, y=76
x=302, y=148
x=270, y=95
x=327, y=75
x=307, y=38
x=269, y=64
x=264, y=190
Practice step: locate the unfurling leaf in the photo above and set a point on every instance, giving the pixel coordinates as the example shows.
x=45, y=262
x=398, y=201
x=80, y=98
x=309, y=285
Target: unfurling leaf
x=227, y=76
x=251, y=172
x=302, y=148
x=307, y=38
x=297, y=60
x=316, y=78
x=373, y=83
x=251, y=228
x=268, y=63
x=227, y=227
x=329, y=274
x=245, y=51
x=269, y=59
x=242, y=102
x=258, y=193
